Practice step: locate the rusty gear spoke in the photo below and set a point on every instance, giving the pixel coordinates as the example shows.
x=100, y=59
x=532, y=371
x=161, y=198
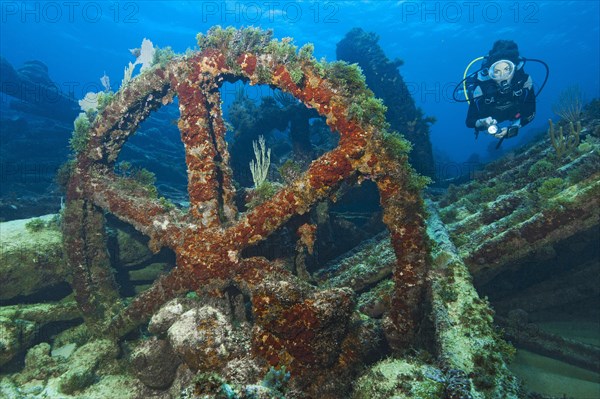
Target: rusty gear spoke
x=176, y=283
x=203, y=134
x=333, y=167
x=146, y=214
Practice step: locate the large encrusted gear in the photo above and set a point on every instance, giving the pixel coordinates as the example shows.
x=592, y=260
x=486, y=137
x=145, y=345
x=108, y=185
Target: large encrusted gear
x=209, y=238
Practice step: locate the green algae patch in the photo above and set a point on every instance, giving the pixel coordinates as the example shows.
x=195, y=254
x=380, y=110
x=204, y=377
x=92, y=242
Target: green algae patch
x=399, y=379
x=31, y=256
x=87, y=361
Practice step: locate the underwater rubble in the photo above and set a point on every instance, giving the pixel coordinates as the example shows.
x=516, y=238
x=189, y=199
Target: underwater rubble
x=399, y=315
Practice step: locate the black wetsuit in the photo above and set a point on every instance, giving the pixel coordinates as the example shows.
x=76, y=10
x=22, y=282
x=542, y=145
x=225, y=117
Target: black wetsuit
x=517, y=103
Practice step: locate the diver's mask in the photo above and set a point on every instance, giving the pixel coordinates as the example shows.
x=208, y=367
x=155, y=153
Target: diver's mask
x=502, y=72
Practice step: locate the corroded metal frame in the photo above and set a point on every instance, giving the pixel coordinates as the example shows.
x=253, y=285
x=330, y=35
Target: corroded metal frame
x=208, y=239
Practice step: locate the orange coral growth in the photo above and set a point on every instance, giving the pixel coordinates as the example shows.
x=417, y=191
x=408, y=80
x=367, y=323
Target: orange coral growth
x=308, y=235
x=300, y=331
x=247, y=62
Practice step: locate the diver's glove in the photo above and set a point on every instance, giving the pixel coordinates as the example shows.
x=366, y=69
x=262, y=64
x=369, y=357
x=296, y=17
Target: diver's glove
x=507, y=132
x=484, y=123
x=500, y=134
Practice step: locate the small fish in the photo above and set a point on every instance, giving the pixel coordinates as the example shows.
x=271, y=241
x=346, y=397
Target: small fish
x=135, y=52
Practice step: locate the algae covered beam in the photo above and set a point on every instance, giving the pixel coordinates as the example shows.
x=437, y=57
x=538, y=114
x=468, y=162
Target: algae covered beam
x=570, y=211
x=464, y=330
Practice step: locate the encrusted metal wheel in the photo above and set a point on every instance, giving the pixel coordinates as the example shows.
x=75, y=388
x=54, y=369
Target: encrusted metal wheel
x=209, y=239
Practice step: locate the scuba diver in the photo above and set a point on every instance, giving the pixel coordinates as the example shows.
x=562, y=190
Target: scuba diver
x=500, y=91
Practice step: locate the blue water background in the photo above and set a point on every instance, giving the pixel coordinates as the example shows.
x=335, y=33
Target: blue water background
x=80, y=41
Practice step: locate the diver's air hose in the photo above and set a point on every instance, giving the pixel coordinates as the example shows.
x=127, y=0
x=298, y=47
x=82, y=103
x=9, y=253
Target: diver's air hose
x=547, y=73
x=464, y=81
x=465, y=77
